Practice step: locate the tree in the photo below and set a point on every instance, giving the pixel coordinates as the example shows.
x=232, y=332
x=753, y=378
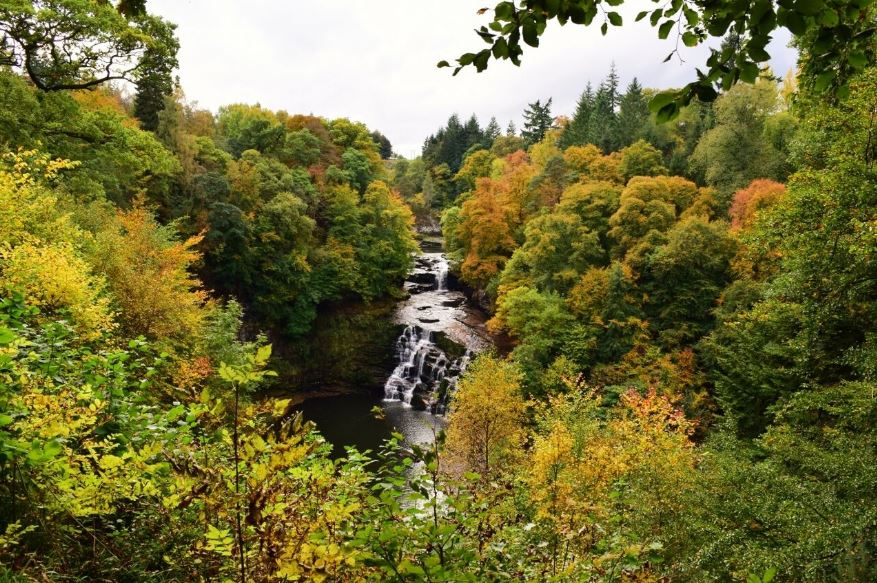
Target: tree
x=386, y=244
x=148, y=273
x=537, y=121
x=578, y=132
x=755, y=198
x=810, y=325
x=505, y=145
x=384, y=146
x=633, y=115
x=641, y=159
x=557, y=249
x=491, y=132
x=487, y=411
x=737, y=151
x=154, y=79
x=685, y=277
x=477, y=165
x=249, y=127
x=300, y=148
x=832, y=59
x=79, y=44
x=484, y=233
x=603, y=122
x=451, y=143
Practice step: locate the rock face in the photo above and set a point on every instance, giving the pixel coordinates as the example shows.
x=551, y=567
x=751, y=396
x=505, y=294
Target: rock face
x=349, y=350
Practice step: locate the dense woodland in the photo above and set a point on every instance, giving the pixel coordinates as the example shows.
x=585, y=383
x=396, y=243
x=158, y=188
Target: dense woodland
x=691, y=293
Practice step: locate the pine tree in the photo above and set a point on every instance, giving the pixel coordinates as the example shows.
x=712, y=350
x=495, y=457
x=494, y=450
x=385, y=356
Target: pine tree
x=154, y=84
x=472, y=133
x=491, y=132
x=511, y=130
x=450, y=144
x=537, y=121
x=604, y=118
x=578, y=130
x=633, y=115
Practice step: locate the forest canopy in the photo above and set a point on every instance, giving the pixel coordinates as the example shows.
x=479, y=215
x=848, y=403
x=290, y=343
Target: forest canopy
x=685, y=278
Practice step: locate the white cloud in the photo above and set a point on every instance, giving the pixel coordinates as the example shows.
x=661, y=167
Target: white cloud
x=374, y=60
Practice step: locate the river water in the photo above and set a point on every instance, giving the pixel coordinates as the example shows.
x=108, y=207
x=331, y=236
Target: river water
x=440, y=332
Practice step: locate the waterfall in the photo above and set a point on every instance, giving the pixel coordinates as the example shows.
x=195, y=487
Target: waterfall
x=424, y=376
x=437, y=340
x=442, y=275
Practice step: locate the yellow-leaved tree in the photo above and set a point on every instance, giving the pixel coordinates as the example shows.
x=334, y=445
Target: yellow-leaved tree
x=605, y=482
x=486, y=424
x=41, y=248
x=148, y=272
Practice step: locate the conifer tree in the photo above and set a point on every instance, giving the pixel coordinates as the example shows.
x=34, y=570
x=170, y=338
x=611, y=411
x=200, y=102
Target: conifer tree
x=633, y=115
x=537, y=121
x=604, y=118
x=578, y=130
x=491, y=132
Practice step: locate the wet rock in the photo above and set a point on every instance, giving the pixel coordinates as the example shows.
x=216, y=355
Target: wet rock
x=428, y=320
x=453, y=303
x=416, y=288
x=418, y=403
x=422, y=278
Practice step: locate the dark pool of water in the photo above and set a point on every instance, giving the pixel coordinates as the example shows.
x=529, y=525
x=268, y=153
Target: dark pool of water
x=347, y=420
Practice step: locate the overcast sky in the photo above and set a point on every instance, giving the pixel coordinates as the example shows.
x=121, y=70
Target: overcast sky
x=374, y=60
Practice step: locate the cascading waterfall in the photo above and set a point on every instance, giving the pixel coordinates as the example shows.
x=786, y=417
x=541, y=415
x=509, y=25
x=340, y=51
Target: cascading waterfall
x=425, y=375
x=442, y=275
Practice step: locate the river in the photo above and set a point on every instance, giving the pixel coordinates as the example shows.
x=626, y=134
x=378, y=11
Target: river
x=440, y=331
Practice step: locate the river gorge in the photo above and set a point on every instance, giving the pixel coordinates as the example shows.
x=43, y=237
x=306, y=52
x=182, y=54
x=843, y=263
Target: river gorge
x=404, y=356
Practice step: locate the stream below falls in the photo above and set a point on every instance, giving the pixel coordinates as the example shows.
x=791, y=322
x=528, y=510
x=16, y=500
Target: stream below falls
x=440, y=332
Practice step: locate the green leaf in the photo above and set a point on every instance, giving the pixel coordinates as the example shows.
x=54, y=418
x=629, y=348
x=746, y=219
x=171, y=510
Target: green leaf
x=664, y=29
x=263, y=354
x=829, y=18
x=705, y=93
x=768, y=575
x=809, y=7
x=667, y=113
x=442, y=64
x=6, y=336
x=501, y=48
x=530, y=35
x=758, y=54
x=691, y=16
x=662, y=99
x=824, y=80
x=641, y=15
x=857, y=60
x=615, y=18
x=466, y=59
x=749, y=72
x=604, y=28
x=504, y=11
x=795, y=23
x=689, y=38
x=5, y=419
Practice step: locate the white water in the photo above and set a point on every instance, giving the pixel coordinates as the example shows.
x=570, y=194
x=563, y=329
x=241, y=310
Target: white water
x=425, y=376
